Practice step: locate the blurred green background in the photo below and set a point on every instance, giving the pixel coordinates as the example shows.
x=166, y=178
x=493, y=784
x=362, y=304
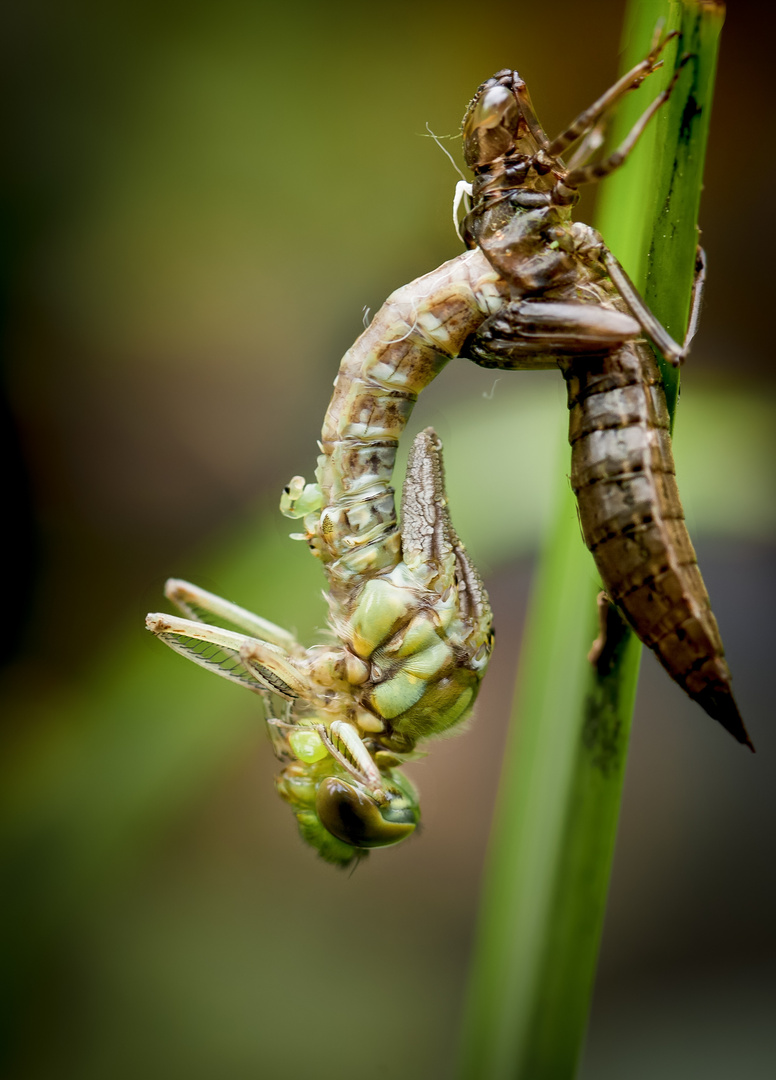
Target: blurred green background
x=199, y=201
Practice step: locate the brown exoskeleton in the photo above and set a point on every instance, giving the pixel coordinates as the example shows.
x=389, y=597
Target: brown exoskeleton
x=573, y=306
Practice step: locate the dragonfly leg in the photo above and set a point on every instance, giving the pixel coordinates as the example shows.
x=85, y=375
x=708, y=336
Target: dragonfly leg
x=533, y=333
x=275, y=669
x=204, y=606
x=587, y=174
x=279, y=732
x=245, y=648
x=346, y=746
x=592, y=124
x=593, y=140
x=597, y=648
x=611, y=632
x=670, y=349
x=696, y=300
x=632, y=79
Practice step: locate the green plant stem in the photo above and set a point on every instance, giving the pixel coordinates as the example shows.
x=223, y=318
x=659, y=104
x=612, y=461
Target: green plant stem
x=553, y=838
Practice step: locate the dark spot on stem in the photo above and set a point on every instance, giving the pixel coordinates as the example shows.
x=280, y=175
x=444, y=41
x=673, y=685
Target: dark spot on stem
x=689, y=113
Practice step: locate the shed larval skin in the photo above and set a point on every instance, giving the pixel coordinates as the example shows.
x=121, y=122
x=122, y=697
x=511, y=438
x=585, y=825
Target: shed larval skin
x=572, y=305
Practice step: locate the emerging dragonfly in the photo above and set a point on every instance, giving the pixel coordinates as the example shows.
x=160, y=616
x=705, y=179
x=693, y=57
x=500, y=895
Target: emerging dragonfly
x=410, y=620
x=572, y=305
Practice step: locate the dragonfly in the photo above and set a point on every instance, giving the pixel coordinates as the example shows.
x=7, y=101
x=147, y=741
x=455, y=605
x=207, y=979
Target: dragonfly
x=410, y=625
x=572, y=306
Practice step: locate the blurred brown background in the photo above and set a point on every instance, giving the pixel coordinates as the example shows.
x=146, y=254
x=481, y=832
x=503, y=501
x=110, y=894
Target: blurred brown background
x=199, y=201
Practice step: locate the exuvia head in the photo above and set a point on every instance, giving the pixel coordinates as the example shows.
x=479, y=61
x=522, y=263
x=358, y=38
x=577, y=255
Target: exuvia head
x=342, y=818
x=495, y=124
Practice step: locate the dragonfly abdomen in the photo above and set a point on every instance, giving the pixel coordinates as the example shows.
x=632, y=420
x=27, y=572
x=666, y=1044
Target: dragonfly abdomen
x=416, y=332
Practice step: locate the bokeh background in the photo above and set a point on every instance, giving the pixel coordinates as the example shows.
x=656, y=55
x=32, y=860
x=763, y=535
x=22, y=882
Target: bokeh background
x=199, y=202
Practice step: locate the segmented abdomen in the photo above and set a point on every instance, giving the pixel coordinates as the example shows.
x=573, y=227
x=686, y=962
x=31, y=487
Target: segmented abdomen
x=415, y=333
x=622, y=472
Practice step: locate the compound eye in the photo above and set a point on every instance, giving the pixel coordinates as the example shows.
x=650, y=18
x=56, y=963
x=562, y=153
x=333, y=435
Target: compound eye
x=356, y=818
x=490, y=129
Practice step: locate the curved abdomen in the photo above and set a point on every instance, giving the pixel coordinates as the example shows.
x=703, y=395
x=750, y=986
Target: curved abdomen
x=412, y=337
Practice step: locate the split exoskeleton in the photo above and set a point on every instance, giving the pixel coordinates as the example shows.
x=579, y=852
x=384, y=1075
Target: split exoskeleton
x=411, y=631
x=571, y=305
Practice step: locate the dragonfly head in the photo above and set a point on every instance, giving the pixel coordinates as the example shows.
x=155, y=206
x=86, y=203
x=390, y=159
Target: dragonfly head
x=494, y=124
x=355, y=816
x=341, y=818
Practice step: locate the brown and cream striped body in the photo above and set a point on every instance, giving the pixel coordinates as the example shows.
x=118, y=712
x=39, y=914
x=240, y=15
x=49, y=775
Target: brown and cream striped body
x=623, y=475
x=572, y=305
x=418, y=330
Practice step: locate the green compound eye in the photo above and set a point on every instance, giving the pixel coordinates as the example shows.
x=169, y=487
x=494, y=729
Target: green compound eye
x=356, y=818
